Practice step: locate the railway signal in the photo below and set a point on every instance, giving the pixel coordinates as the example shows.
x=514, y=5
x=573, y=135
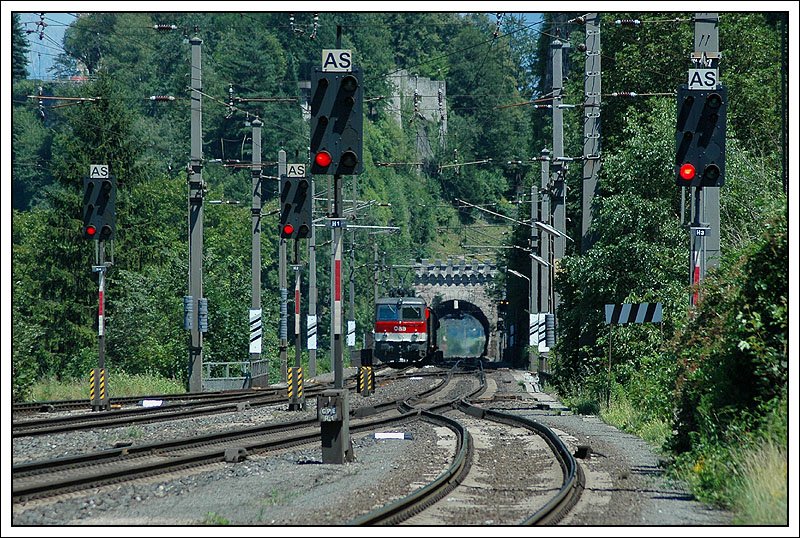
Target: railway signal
x=337, y=122
x=99, y=208
x=700, y=137
x=296, y=201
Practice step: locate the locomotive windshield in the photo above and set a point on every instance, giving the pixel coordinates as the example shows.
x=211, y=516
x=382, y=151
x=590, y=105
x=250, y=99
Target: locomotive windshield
x=387, y=312
x=393, y=312
x=412, y=313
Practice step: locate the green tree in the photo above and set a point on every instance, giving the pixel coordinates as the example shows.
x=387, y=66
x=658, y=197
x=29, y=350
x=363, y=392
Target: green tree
x=30, y=153
x=19, y=50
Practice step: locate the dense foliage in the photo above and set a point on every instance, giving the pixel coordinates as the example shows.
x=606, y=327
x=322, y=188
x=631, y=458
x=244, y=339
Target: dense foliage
x=720, y=369
x=716, y=374
x=120, y=60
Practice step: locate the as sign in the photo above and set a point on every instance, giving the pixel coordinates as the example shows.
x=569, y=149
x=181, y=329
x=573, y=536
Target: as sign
x=98, y=171
x=337, y=60
x=702, y=79
x=296, y=170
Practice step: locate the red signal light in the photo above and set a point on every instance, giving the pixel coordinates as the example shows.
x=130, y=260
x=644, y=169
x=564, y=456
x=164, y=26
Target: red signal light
x=323, y=159
x=91, y=230
x=687, y=171
x=288, y=230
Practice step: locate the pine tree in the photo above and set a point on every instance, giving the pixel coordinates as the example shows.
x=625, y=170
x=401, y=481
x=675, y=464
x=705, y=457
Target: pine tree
x=19, y=49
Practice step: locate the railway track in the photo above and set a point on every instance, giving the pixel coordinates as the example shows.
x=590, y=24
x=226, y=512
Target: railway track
x=177, y=407
x=50, y=406
x=449, y=406
x=37, y=479
x=129, y=417
x=65, y=475
x=464, y=482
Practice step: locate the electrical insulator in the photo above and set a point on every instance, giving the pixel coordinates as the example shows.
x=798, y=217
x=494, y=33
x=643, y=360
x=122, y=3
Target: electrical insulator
x=624, y=94
x=316, y=25
x=627, y=22
x=164, y=27
x=162, y=97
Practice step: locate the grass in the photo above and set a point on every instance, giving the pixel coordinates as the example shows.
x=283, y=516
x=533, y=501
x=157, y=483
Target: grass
x=118, y=384
x=584, y=406
x=760, y=495
x=215, y=519
x=277, y=497
x=623, y=414
x=750, y=479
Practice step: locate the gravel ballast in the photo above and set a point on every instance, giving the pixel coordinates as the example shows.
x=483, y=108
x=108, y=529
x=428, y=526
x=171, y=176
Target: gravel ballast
x=625, y=483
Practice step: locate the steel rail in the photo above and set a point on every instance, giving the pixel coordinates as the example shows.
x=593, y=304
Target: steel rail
x=126, y=417
x=126, y=456
x=167, y=460
x=421, y=498
x=573, y=481
x=559, y=505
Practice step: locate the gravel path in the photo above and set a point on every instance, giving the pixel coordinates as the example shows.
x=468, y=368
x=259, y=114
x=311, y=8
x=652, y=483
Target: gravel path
x=625, y=485
x=625, y=482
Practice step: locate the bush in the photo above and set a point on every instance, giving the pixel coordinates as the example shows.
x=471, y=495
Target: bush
x=733, y=353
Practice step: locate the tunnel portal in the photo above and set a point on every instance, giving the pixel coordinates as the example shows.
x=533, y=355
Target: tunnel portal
x=464, y=330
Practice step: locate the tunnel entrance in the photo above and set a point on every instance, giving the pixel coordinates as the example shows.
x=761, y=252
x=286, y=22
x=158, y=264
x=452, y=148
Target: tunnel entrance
x=464, y=329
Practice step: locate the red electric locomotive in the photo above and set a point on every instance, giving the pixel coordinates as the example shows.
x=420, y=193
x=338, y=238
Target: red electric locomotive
x=405, y=331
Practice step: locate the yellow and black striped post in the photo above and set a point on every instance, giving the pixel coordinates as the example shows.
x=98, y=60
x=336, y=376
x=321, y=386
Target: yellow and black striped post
x=97, y=389
x=294, y=379
x=366, y=380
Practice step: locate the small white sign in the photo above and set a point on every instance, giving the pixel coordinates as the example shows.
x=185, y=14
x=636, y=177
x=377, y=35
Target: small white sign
x=295, y=170
x=311, y=328
x=393, y=435
x=702, y=79
x=255, y=330
x=98, y=171
x=337, y=60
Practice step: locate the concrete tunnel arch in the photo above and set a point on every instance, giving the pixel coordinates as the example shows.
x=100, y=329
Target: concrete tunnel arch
x=455, y=308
